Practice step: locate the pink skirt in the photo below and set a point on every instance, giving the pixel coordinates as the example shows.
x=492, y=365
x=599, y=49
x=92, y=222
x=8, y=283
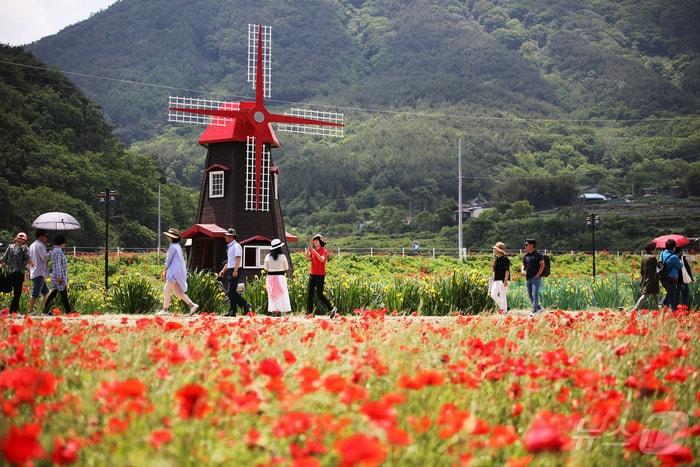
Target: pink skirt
x=277, y=294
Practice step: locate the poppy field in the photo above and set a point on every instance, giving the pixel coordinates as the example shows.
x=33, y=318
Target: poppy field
x=589, y=388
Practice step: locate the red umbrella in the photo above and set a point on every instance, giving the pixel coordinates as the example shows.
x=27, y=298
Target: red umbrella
x=681, y=241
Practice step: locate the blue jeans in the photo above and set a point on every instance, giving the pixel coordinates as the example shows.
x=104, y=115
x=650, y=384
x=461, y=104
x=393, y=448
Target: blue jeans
x=533, y=293
x=671, y=299
x=39, y=287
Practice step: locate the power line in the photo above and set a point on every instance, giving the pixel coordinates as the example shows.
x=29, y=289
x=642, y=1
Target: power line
x=365, y=109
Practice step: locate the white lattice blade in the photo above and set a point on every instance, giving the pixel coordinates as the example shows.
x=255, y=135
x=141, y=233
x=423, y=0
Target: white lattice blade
x=250, y=204
x=330, y=117
x=253, y=30
x=194, y=103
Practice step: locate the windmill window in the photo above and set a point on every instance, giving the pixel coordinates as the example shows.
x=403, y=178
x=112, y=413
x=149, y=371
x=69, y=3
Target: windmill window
x=254, y=256
x=216, y=184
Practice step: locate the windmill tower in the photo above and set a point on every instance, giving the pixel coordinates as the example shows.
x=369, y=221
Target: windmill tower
x=239, y=186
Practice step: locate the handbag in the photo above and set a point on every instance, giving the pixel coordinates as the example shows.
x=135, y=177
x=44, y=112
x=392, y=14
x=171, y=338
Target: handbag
x=5, y=282
x=686, y=275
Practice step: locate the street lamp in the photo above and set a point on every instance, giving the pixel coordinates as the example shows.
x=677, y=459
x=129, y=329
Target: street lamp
x=105, y=197
x=592, y=220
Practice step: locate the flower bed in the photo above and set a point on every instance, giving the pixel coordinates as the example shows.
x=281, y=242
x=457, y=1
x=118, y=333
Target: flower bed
x=597, y=388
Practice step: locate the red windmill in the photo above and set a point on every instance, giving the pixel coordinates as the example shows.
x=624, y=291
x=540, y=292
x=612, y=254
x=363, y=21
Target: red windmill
x=239, y=136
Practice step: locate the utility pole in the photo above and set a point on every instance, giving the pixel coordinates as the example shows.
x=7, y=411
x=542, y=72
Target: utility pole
x=105, y=197
x=459, y=199
x=158, y=233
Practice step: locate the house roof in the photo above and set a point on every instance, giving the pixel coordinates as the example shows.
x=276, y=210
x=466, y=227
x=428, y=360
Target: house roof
x=596, y=196
x=209, y=230
x=215, y=231
x=216, y=167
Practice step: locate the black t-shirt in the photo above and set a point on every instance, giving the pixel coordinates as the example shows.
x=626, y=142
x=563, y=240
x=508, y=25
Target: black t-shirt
x=531, y=262
x=500, y=267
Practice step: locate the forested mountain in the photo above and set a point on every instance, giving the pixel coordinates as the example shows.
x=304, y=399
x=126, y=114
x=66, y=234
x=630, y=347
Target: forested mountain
x=547, y=95
x=57, y=153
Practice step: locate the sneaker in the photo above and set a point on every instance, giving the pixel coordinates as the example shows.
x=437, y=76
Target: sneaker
x=231, y=314
x=162, y=313
x=194, y=309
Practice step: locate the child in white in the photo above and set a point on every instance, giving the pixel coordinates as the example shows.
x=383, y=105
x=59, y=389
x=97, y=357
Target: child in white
x=276, y=265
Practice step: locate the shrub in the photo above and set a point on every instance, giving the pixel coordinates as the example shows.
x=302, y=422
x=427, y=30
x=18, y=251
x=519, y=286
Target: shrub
x=203, y=288
x=132, y=295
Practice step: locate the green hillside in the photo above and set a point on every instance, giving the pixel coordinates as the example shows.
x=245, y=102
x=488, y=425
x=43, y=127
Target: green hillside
x=57, y=153
x=547, y=96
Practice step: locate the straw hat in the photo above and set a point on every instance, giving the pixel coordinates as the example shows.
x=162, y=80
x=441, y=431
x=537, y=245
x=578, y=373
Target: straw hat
x=320, y=237
x=500, y=247
x=231, y=233
x=172, y=233
x=276, y=243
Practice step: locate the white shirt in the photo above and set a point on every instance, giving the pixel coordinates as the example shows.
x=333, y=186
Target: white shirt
x=233, y=251
x=276, y=265
x=37, y=252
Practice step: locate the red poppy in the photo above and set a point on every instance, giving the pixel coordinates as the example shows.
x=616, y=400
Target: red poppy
x=21, y=444
x=289, y=357
x=548, y=432
x=193, y=401
x=27, y=384
x=380, y=412
x=293, y=424
x=675, y=454
x=270, y=367
x=360, y=449
x=65, y=452
x=502, y=436
x=397, y=437
x=160, y=436
x=334, y=383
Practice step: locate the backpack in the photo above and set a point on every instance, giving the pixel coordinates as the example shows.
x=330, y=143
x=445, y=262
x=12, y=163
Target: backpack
x=545, y=271
x=661, y=269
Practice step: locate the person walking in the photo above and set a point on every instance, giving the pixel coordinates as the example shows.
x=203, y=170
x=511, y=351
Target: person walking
x=231, y=271
x=684, y=280
x=501, y=276
x=533, y=267
x=38, y=270
x=59, y=275
x=649, y=280
x=670, y=273
x=318, y=254
x=175, y=275
x=276, y=265
x=16, y=258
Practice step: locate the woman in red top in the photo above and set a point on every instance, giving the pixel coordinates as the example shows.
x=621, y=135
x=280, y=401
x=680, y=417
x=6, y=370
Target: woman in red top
x=318, y=255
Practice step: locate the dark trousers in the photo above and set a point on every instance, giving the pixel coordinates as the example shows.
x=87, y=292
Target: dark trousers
x=671, y=299
x=234, y=298
x=64, y=300
x=17, y=281
x=316, y=285
x=683, y=294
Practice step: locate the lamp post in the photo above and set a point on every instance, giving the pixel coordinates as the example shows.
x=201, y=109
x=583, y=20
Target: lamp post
x=592, y=220
x=105, y=197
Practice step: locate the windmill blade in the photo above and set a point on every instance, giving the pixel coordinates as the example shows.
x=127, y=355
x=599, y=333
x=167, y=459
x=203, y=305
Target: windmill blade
x=334, y=120
x=253, y=36
x=257, y=191
x=183, y=116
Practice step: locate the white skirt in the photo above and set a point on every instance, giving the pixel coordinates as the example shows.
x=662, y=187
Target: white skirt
x=277, y=294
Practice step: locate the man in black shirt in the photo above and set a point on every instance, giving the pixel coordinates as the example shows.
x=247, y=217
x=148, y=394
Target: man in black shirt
x=533, y=265
x=501, y=276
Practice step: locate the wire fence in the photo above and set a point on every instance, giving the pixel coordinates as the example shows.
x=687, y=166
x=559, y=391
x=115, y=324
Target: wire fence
x=364, y=251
